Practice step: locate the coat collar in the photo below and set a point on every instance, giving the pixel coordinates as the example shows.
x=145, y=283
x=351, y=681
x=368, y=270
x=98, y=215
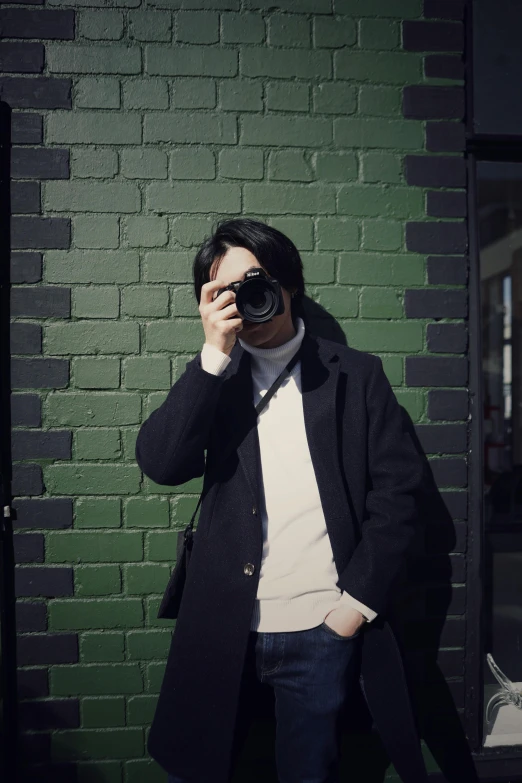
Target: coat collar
x=320, y=364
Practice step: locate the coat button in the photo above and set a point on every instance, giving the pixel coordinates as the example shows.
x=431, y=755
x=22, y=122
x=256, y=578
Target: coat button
x=249, y=569
x=254, y=510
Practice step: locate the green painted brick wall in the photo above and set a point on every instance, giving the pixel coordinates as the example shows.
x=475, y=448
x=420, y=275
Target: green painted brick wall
x=182, y=113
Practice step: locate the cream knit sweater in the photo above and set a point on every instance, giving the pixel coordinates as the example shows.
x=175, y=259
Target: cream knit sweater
x=297, y=581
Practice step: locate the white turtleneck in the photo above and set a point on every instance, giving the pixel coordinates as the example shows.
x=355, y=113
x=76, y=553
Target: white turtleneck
x=297, y=582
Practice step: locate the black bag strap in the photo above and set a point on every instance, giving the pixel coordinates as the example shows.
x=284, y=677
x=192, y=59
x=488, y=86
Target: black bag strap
x=259, y=407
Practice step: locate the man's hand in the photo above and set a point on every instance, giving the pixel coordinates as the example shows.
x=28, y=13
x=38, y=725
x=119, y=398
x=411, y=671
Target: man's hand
x=345, y=620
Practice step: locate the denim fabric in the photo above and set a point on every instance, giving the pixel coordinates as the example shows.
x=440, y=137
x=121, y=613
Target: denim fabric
x=311, y=673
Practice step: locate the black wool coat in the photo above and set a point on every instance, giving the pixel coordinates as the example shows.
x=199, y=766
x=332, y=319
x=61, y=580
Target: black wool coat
x=367, y=470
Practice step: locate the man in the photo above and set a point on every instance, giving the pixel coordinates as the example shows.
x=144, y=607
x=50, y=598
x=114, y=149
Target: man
x=303, y=532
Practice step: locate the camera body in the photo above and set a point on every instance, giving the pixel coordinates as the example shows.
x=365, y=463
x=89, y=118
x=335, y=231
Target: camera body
x=258, y=296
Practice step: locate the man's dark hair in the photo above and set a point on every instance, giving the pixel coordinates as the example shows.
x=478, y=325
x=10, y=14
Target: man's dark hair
x=276, y=253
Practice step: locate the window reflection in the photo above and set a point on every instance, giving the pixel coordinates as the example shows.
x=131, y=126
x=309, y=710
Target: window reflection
x=500, y=243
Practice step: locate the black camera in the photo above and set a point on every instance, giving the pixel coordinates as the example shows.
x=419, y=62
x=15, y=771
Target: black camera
x=258, y=296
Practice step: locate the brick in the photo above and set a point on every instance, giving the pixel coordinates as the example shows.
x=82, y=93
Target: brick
x=85, y=197
x=37, y=232
x=446, y=203
x=92, y=337
x=45, y=716
x=240, y=163
x=147, y=578
x=370, y=132
x=96, y=302
x=379, y=101
x=25, y=338
x=143, y=301
x=39, y=93
x=442, y=438
x=379, y=34
x=289, y=30
x=436, y=237
x=147, y=373
x=380, y=201
x=292, y=63
x=39, y=374
x=447, y=270
x=436, y=371
x=26, y=410
x=105, y=266
x=28, y=547
x=17, y=57
x=181, y=333
x=143, y=231
x=148, y=645
x=340, y=302
x=435, y=171
x=433, y=103
x=333, y=33
x=94, y=444
x=95, y=163
x=381, y=235
x=89, y=58
x=371, y=336
x=445, y=136
x=26, y=128
x=195, y=93
x=189, y=128
x=40, y=302
x=289, y=165
x=381, y=167
x=96, y=231
x=150, y=25
x=421, y=36
x=140, y=710
x=38, y=649
x=120, y=743
x=334, y=98
x=384, y=67
x=241, y=95
x=146, y=512
x=381, y=303
x=22, y=23
x=167, y=267
x=335, y=166
x=142, y=163
x=98, y=679
x=242, y=28
x=268, y=198
x=104, y=711
x=305, y=6
x=435, y=303
x=193, y=197
x=44, y=512
x=97, y=93
x=36, y=444
x=50, y=582
x=190, y=61
x=286, y=96
x=27, y=479
x=447, y=404
x=93, y=128
x=337, y=234
x=201, y=27
x=145, y=94
x=26, y=267
x=98, y=410
x=192, y=163
x=444, y=66
x=30, y=616
x=32, y=683
x=96, y=373
x=449, y=472
x=447, y=338
x=97, y=580
x=80, y=613
x=102, y=647
x=444, y=9
x=117, y=478
x=101, y=25
x=25, y=198
x=374, y=268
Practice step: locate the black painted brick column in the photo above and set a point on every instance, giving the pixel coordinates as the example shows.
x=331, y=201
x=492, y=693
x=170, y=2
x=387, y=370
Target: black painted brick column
x=443, y=303
x=29, y=92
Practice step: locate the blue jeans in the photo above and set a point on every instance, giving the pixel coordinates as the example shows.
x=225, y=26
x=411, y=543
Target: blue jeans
x=311, y=673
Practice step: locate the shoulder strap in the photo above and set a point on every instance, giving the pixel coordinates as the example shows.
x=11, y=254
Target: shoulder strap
x=259, y=407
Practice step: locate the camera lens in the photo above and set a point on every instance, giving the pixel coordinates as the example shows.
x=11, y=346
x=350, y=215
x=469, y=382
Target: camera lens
x=256, y=300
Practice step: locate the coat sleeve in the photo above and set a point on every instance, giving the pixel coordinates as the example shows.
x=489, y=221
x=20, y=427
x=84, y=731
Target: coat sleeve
x=396, y=472
x=171, y=442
